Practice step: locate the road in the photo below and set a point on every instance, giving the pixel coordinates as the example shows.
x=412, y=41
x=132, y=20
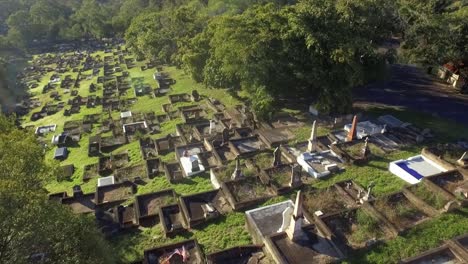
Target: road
x=411, y=88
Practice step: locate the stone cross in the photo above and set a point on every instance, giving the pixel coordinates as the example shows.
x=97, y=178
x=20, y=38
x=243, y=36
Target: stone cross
x=352, y=131
x=237, y=172
x=277, y=156
x=313, y=138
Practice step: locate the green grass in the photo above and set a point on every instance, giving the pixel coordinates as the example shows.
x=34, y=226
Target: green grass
x=422, y=237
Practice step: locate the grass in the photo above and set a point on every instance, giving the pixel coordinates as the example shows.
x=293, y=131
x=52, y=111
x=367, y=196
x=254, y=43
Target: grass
x=422, y=237
x=367, y=228
x=430, y=197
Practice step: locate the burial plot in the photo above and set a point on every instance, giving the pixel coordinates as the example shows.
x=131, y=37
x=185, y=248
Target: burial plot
x=355, y=192
x=246, y=192
x=133, y=173
x=427, y=198
x=178, y=98
x=453, y=182
x=193, y=114
x=354, y=229
x=326, y=202
x=147, y=148
x=241, y=254
x=187, y=251
x=110, y=143
x=451, y=153
x=443, y=254
x=173, y=172
x=317, y=164
x=66, y=172
x=111, y=195
x=246, y=146
x=90, y=171
x=153, y=167
x=357, y=151
x=172, y=219
x=168, y=144
x=148, y=205
x=275, y=137
x=79, y=202
x=414, y=169
x=283, y=177
x=202, y=207
x=397, y=209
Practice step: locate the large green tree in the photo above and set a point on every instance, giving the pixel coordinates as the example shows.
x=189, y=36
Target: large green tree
x=30, y=225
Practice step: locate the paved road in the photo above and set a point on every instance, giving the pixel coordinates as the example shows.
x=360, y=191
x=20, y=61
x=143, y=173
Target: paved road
x=411, y=88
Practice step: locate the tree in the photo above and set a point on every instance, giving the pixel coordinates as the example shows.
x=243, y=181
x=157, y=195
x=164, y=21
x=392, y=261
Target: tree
x=30, y=224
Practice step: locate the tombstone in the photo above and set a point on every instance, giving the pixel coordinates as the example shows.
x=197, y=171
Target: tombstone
x=352, y=132
x=195, y=165
x=313, y=138
x=196, y=114
x=237, y=174
x=77, y=191
x=367, y=195
x=451, y=206
x=464, y=159
x=365, y=150
x=185, y=153
x=294, y=230
x=277, y=157
x=212, y=126
x=225, y=136
x=195, y=96
x=295, y=176
x=384, y=129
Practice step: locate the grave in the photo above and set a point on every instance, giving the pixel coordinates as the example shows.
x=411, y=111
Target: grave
x=172, y=219
x=246, y=146
x=275, y=137
x=327, y=201
x=66, y=172
x=114, y=194
x=400, y=211
x=43, y=130
x=414, y=169
x=133, y=173
x=61, y=153
x=148, y=205
x=153, y=167
x=187, y=251
x=173, y=172
x=80, y=203
x=202, y=207
x=147, y=148
x=246, y=192
x=442, y=254
x=320, y=164
x=241, y=254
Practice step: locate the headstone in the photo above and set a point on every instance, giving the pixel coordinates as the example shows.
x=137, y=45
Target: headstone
x=77, y=191
x=384, y=129
x=352, y=131
x=212, y=126
x=185, y=153
x=277, y=157
x=464, y=159
x=365, y=150
x=237, y=174
x=195, y=165
x=294, y=230
x=451, y=205
x=225, y=136
x=195, y=96
x=313, y=138
x=295, y=175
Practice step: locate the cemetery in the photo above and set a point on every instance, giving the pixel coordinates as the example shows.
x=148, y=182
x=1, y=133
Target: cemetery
x=180, y=173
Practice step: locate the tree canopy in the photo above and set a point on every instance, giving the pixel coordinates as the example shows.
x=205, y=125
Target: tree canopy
x=30, y=224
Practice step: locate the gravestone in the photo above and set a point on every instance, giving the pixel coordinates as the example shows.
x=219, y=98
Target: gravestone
x=352, y=131
x=365, y=150
x=195, y=165
x=225, y=136
x=463, y=159
x=294, y=230
x=295, y=175
x=195, y=96
x=237, y=174
x=313, y=138
x=277, y=157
